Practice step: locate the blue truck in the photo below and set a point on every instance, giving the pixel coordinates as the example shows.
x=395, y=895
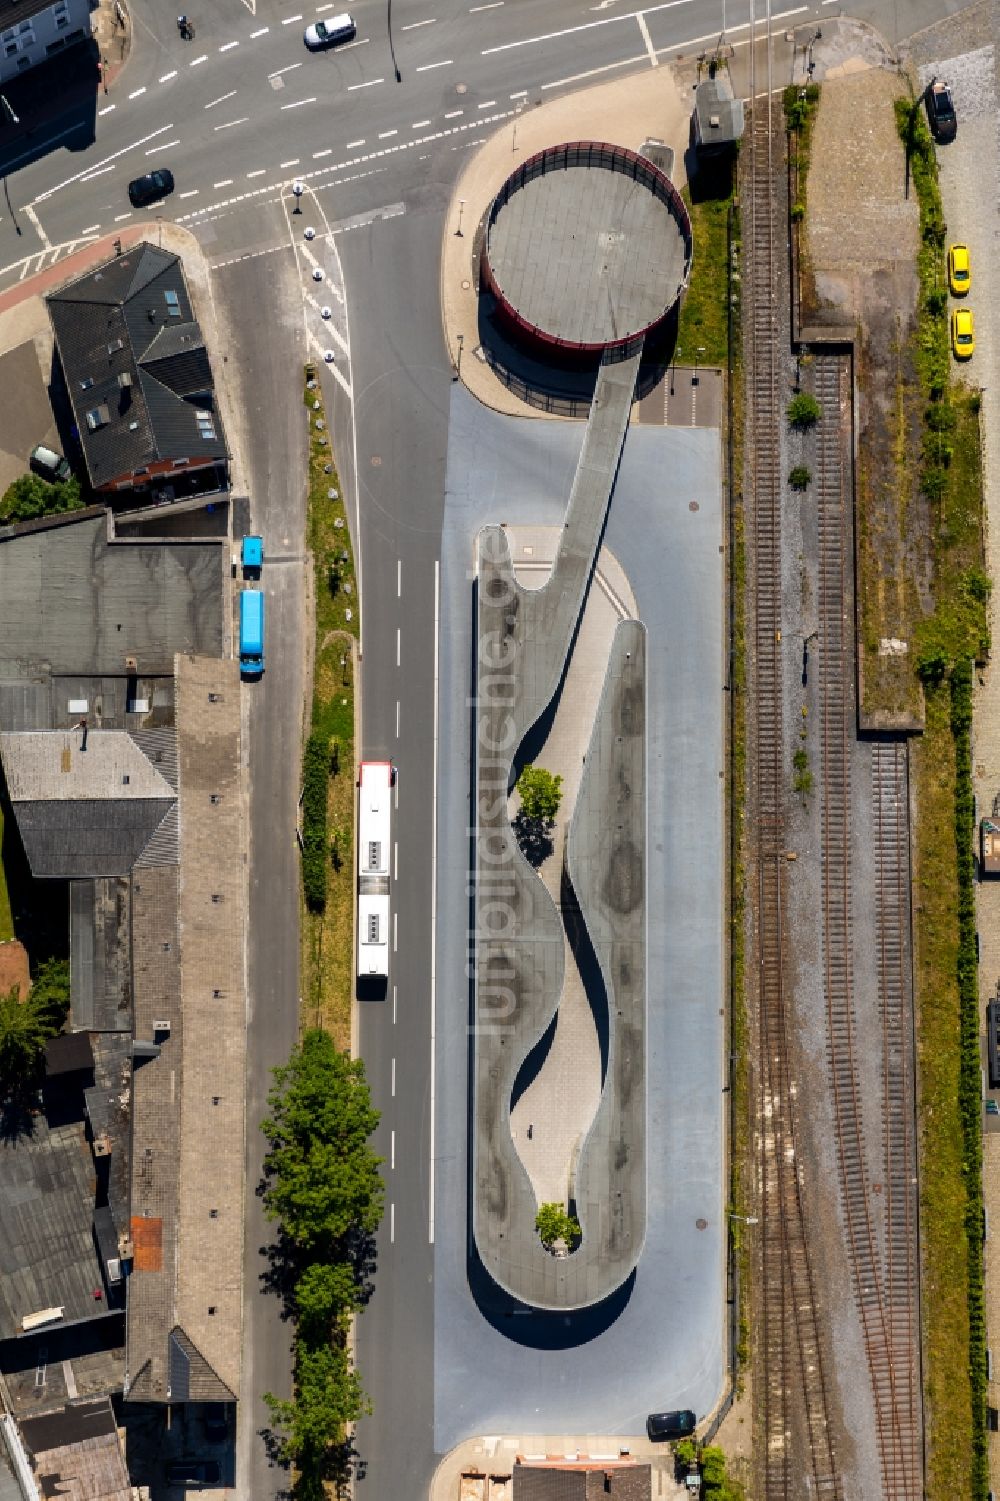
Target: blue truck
x=251, y=633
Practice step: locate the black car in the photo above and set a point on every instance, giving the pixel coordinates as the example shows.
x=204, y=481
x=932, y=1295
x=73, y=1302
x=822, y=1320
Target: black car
x=193, y=1472
x=661, y=1425
x=151, y=188
x=941, y=112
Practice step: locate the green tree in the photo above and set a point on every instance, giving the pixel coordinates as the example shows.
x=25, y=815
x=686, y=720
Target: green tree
x=803, y=410
x=325, y=1294
x=800, y=477
x=540, y=793
x=26, y=1026
x=328, y=1396
x=553, y=1223
x=321, y=1177
x=30, y=497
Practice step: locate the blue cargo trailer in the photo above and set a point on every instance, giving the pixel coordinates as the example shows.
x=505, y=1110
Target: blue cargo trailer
x=251, y=633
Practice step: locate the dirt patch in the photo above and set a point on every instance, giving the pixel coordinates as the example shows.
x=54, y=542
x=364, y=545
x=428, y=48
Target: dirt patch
x=861, y=242
x=14, y=968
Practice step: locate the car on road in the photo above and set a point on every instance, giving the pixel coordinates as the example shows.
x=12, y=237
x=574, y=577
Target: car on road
x=963, y=334
x=330, y=33
x=663, y=1425
x=151, y=188
x=193, y=1473
x=49, y=464
x=959, y=270
x=941, y=115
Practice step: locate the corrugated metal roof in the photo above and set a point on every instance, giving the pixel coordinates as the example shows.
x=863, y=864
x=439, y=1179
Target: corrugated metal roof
x=132, y=353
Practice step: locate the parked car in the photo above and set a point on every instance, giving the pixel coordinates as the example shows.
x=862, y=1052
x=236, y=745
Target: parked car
x=151, y=188
x=49, y=464
x=215, y=1422
x=941, y=115
x=959, y=270
x=992, y=1108
x=963, y=334
x=193, y=1473
x=330, y=33
x=663, y=1425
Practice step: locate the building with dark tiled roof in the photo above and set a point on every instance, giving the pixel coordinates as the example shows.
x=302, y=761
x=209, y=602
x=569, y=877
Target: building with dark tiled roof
x=581, y=1478
x=138, y=376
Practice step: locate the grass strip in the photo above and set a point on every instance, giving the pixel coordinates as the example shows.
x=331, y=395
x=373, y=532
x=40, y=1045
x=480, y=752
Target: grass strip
x=6, y=916
x=703, y=329
x=800, y=106
x=329, y=756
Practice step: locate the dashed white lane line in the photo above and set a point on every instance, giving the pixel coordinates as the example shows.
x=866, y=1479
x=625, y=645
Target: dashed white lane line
x=196, y=60
x=369, y=85
x=107, y=109
x=222, y=99
x=414, y=24
x=298, y=103
x=226, y=182
x=429, y=67
x=352, y=144
x=521, y=94
x=290, y=69
x=453, y=114
x=166, y=77
x=263, y=30
x=162, y=146
x=392, y=1077
x=317, y=155
x=293, y=163
x=230, y=123
x=493, y=5
x=420, y=125
x=259, y=172
x=384, y=135
x=120, y=217
x=250, y=255
x=228, y=46
x=136, y=92
x=489, y=104
x=191, y=193
x=392, y=1151
x=290, y=20
x=90, y=229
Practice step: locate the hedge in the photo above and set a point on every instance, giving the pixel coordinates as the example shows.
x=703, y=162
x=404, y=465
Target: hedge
x=315, y=776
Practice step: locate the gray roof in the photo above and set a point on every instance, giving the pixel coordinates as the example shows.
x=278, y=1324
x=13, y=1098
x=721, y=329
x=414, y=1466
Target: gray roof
x=549, y=1483
x=99, y=961
x=75, y=600
x=719, y=115
x=76, y=1453
x=116, y=325
x=67, y=840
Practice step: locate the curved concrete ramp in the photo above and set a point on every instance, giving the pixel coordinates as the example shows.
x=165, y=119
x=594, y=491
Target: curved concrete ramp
x=524, y=640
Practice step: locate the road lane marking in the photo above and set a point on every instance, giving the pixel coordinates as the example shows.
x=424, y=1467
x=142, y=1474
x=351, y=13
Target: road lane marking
x=392, y=1152
x=521, y=94
x=262, y=32
x=384, y=135
x=493, y=5
x=394, y=1005
x=222, y=99
x=166, y=77
x=120, y=217
x=397, y=645
x=226, y=182
x=196, y=60
x=395, y=860
x=293, y=163
x=550, y=36
x=288, y=21
x=90, y=229
x=85, y=171
x=352, y=144
x=259, y=172
x=228, y=46
x=414, y=24
x=318, y=154
x=191, y=193
x=429, y=67
x=136, y=92
x=99, y=173
x=298, y=103
x=369, y=85
x=453, y=114
x=490, y=104
x=420, y=125
x=107, y=109
x=650, y=49
x=230, y=123
x=399, y=578
x=392, y=1224
x=290, y=69
x=392, y=1082
x=437, y=643
x=397, y=719
x=558, y=83
x=162, y=146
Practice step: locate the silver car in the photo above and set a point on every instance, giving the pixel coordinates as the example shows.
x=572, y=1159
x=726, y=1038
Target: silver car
x=330, y=33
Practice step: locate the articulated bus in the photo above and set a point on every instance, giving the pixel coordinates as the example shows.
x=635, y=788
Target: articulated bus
x=374, y=816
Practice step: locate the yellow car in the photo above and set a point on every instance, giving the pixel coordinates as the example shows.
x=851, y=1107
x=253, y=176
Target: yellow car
x=963, y=334
x=959, y=270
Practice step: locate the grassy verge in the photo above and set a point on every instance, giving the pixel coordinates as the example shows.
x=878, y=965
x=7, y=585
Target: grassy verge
x=328, y=913
x=949, y=1107
x=800, y=105
x=6, y=916
x=704, y=323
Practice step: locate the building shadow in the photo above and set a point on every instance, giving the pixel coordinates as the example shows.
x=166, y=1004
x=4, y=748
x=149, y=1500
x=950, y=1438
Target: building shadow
x=537, y=1328
x=51, y=107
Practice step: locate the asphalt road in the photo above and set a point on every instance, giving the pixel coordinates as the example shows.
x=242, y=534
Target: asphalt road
x=236, y=113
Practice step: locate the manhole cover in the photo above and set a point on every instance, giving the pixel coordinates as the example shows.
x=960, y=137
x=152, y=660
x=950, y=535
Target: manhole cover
x=376, y=461
x=461, y=88
x=693, y=505
x=702, y=1224
x=466, y=285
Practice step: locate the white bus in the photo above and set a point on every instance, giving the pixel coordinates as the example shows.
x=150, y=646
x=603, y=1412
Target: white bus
x=374, y=816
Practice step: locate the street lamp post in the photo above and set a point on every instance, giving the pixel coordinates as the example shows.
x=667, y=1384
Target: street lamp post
x=461, y=210
x=297, y=189
x=700, y=350
x=392, y=50
x=673, y=367
x=458, y=366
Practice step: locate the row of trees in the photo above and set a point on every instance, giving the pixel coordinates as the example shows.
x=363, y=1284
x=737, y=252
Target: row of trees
x=323, y=1189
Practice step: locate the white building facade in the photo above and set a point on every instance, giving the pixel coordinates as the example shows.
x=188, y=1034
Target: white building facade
x=32, y=33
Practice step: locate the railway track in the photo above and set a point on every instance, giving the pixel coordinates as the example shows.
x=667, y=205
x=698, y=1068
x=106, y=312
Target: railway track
x=793, y=1388
x=882, y=1246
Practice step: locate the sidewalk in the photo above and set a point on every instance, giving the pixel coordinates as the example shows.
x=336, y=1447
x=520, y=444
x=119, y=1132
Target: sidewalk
x=493, y=1459
x=647, y=105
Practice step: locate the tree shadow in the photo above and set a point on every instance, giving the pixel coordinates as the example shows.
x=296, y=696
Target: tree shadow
x=534, y=838
x=17, y=1116
x=285, y=1263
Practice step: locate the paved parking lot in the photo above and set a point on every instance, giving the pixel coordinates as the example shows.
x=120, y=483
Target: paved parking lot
x=25, y=370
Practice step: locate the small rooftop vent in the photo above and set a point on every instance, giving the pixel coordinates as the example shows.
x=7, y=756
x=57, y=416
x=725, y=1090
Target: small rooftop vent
x=125, y=378
x=714, y=121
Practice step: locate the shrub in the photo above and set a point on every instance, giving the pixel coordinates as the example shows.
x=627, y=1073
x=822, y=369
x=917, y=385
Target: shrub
x=978, y=585
x=800, y=477
x=931, y=667
x=803, y=410
x=315, y=775
x=30, y=497
x=553, y=1223
x=933, y=480
x=797, y=212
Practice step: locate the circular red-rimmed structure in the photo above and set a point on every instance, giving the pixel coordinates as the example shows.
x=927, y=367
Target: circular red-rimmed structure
x=586, y=249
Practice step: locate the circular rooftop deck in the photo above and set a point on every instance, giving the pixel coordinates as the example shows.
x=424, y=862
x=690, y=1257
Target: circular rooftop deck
x=587, y=247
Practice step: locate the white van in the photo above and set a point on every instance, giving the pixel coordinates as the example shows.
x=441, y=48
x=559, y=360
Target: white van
x=330, y=33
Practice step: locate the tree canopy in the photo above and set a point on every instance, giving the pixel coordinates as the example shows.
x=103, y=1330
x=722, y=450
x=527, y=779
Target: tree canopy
x=553, y=1223
x=27, y=1025
x=30, y=497
x=540, y=793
